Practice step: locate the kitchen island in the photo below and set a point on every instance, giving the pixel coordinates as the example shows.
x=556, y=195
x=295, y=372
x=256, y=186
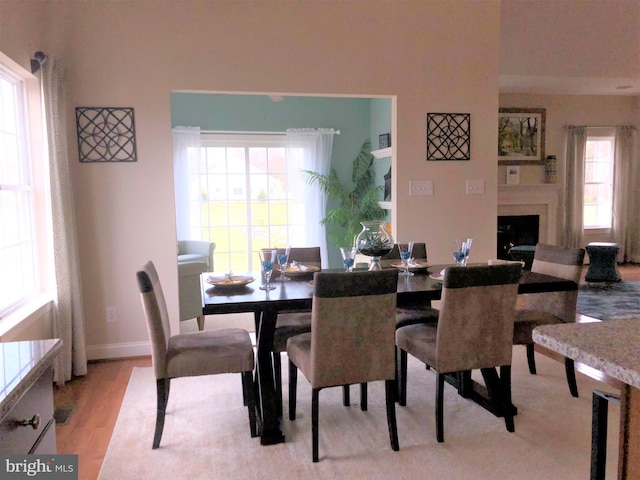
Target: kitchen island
x=611, y=347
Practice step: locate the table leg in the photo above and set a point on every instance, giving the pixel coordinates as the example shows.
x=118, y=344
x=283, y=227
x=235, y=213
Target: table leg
x=271, y=432
x=629, y=448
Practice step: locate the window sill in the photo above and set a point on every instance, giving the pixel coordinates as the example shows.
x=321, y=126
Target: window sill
x=26, y=315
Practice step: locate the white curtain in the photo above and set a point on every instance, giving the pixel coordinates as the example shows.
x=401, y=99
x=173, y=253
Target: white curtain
x=186, y=145
x=68, y=310
x=626, y=221
x=574, y=174
x=310, y=149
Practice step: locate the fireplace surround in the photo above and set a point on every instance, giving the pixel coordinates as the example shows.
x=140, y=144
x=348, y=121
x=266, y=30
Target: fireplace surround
x=542, y=200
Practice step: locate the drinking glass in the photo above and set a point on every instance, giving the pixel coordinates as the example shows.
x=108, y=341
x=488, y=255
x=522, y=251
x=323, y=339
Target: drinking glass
x=348, y=257
x=267, y=259
x=458, y=253
x=283, y=260
x=405, y=255
x=466, y=249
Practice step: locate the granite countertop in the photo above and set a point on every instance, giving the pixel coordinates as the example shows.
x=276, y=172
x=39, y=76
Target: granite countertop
x=21, y=364
x=611, y=347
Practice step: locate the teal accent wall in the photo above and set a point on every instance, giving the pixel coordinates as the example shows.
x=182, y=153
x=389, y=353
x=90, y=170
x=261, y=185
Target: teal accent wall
x=251, y=113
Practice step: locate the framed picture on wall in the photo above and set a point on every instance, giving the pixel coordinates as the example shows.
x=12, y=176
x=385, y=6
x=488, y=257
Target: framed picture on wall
x=521, y=136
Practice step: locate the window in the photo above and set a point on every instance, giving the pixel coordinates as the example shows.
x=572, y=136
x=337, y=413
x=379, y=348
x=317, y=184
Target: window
x=598, y=186
x=18, y=246
x=241, y=196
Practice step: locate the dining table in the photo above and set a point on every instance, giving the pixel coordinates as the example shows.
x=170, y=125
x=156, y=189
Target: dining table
x=414, y=291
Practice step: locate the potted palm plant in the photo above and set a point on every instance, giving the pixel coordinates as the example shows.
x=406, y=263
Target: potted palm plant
x=357, y=201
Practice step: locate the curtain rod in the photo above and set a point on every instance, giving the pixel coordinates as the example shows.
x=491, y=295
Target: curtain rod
x=230, y=132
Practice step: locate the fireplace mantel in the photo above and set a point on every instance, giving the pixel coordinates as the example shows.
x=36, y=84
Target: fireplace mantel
x=539, y=199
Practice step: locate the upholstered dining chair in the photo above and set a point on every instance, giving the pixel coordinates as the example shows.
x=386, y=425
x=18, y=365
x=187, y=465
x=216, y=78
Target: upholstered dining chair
x=474, y=331
x=208, y=352
x=290, y=323
x=351, y=340
x=551, y=307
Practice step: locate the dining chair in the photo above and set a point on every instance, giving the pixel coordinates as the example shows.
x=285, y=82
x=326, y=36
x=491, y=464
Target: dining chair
x=290, y=323
x=351, y=341
x=474, y=331
x=550, y=307
x=208, y=352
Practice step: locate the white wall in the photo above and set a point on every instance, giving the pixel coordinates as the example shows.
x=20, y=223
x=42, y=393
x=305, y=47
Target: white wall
x=433, y=56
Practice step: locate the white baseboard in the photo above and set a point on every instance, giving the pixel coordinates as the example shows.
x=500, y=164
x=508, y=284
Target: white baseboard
x=118, y=350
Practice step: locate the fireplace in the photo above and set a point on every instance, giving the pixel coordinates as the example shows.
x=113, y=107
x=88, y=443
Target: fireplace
x=516, y=230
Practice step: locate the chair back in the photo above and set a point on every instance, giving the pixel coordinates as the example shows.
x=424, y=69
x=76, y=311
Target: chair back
x=560, y=262
x=353, y=321
x=475, y=325
x=305, y=255
x=155, y=311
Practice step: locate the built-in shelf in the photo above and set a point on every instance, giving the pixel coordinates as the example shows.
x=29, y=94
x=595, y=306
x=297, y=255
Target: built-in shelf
x=382, y=153
x=379, y=154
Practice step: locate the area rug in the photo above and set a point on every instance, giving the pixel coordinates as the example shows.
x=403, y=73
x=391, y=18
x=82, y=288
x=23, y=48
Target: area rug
x=609, y=300
x=207, y=436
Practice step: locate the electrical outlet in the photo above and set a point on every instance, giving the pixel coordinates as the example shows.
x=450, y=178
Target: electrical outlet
x=420, y=187
x=475, y=187
x=112, y=314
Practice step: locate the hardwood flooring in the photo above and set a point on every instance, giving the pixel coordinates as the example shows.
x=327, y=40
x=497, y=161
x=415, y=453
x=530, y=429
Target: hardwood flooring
x=98, y=395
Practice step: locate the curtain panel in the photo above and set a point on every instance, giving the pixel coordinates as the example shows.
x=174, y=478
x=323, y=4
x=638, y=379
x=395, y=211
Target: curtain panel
x=68, y=317
x=574, y=180
x=310, y=149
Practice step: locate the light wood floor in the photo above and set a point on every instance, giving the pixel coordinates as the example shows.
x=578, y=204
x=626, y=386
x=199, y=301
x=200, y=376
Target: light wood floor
x=98, y=396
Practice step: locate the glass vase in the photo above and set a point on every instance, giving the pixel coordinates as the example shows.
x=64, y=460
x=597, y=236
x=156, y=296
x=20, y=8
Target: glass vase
x=374, y=241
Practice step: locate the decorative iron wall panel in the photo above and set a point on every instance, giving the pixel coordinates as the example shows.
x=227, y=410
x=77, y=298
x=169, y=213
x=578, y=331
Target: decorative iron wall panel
x=106, y=134
x=448, y=136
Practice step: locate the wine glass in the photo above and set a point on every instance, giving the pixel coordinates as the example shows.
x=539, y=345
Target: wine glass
x=405, y=255
x=348, y=257
x=283, y=260
x=458, y=253
x=267, y=259
x=466, y=250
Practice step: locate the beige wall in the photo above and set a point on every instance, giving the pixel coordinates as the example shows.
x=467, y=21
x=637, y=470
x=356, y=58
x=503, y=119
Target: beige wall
x=563, y=110
x=435, y=56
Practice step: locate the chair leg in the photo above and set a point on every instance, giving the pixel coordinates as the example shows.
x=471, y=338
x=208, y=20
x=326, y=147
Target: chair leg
x=363, y=397
x=245, y=397
x=531, y=359
x=200, y=321
x=250, y=401
x=505, y=384
x=440, y=407
x=346, y=395
x=277, y=375
x=403, y=378
x=162, y=389
x=571, y=376
x=390, y=394
x=293, y=386
x=315, y=395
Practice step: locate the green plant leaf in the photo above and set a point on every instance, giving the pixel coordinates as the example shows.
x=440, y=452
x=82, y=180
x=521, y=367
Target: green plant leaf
x=357, y=202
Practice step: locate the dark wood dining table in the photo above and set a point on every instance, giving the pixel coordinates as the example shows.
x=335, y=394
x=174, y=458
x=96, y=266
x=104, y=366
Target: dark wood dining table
x=296, y=294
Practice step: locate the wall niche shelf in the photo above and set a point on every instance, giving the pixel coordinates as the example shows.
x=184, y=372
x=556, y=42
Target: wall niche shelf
x=383, y=153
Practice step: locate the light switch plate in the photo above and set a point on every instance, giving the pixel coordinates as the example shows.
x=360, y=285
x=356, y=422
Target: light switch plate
x=475, y=187
x=420, y=187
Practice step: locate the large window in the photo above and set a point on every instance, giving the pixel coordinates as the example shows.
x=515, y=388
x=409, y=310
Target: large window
x=241, y=196
x=18, y=245
x=598, y=186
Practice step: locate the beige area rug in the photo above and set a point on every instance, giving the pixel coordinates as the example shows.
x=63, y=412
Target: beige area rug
x=206, y=433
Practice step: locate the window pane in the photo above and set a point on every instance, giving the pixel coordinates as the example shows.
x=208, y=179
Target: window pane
x=598, y=189
x=18, y=273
